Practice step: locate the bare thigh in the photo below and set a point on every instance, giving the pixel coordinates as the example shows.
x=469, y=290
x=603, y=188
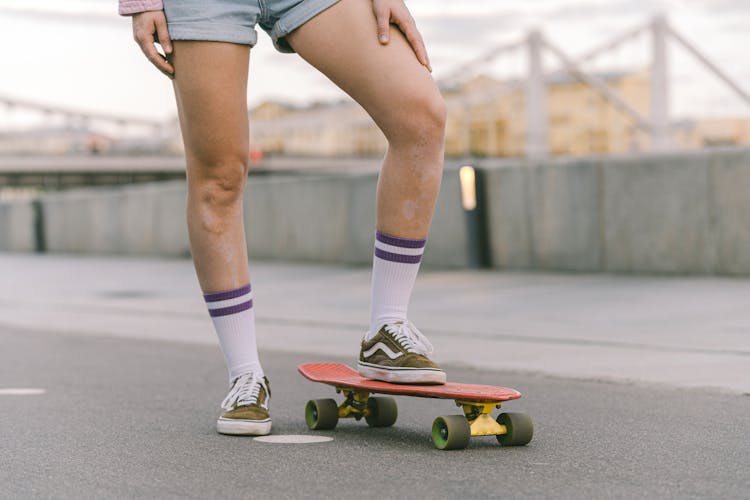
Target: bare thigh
x=387, y=80
x=211, y=90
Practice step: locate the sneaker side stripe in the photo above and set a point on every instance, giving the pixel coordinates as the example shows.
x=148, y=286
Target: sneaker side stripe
x=386, y=350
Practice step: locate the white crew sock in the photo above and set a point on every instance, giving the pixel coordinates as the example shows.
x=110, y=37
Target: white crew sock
x=395, y=265
x=234, y=321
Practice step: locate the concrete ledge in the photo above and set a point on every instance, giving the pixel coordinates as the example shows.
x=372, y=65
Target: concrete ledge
x=17, y=226
x=509, y=216
x=544, y=216
x=448, y=245
x=565, y=215
x=729, y=199
x=293, y=218
x=680, y=213
x=146, y=219
x=361, y=224
x=656, y=214
x=326, y=218
x=670, y=213
x=82, y=221
x=332, y=219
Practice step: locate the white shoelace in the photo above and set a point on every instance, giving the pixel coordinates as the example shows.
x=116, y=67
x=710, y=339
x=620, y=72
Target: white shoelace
x=410, y=338
x=245, y=391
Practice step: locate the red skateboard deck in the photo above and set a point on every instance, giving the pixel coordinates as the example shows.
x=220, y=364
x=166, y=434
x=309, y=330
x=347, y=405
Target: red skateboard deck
x=448, y=432
x=342, y=376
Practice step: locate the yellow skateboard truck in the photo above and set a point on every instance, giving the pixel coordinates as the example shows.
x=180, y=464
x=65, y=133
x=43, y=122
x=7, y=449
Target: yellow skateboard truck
x=448, y=432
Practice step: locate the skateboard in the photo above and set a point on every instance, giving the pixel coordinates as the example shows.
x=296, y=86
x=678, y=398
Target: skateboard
x=450, y=432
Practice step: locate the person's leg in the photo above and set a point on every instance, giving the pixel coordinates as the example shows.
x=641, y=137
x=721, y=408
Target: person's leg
x=211, y=89
x=403, y=99
x=211, y=92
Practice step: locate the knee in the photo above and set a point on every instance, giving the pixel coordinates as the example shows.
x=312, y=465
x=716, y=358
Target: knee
x=421, y=123
x=218, y=184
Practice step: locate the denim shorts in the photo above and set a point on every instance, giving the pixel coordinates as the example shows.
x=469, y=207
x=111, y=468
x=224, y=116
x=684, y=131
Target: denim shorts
x=234, y=20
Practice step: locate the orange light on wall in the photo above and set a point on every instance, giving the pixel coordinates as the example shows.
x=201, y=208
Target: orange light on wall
x=467, y=180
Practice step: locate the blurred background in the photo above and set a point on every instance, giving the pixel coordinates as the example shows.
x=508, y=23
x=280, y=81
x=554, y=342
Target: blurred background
x=528, y=84
x=74, y=81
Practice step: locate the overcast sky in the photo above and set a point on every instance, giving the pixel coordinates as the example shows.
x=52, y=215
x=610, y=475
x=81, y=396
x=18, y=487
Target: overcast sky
x=79, y=53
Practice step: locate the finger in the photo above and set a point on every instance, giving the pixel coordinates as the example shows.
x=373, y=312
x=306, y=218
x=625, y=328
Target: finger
x=163, y=34
x=149, y=50
x=157, y=59
x=409, y=29
x=383, y=17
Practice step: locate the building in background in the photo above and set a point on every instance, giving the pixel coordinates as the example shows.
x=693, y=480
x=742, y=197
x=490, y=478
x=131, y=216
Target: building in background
x=697, y=134
x=322, y=129
x=580, y=121
x=487, y=117
x=53, y=140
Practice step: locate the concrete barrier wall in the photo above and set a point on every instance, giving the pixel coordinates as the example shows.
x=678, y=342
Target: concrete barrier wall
x=656, y=214
x=326, y=218
x=332, y=219
x=669, y=213
x=665, y=213
x=729, y=216
x=293, y=218
x=544, y=216
x=17, y=226
x=146, y=219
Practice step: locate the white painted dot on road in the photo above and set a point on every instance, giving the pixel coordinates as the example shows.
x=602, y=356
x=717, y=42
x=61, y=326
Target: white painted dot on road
x=293, y=439
x=21, y=392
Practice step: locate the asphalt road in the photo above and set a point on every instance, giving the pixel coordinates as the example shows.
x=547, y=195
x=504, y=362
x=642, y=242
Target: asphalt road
x=126, y=418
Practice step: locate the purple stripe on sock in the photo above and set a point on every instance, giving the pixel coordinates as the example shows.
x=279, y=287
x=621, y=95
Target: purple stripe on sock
x=229, y=294
x=394, y=257
x=399, y=242
x=225, y=311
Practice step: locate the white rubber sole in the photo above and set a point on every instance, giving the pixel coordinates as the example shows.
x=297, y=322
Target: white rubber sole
x=402, y=375
x=238, y=427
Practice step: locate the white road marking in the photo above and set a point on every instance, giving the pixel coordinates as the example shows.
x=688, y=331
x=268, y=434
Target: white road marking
x=21, y=392
x=293, y=439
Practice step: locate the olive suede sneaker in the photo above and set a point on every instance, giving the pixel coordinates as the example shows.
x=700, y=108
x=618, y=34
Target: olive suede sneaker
x=398, y=353
x=246, y=407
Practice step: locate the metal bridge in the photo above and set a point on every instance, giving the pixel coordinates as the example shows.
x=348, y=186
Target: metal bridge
x=532, y=47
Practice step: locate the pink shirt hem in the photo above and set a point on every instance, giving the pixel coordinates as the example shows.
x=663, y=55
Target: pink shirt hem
x=130, y=7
